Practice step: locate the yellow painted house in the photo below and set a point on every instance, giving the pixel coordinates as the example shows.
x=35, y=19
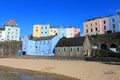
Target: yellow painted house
x=53, y=31
x=36, y=31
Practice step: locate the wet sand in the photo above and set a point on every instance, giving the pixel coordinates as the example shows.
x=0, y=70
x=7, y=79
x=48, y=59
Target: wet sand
x=8, y=73
x=82, y=70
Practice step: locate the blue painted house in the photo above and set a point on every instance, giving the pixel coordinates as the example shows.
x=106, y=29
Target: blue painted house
x=62, y=32
x=114, y=23
x=43, y=46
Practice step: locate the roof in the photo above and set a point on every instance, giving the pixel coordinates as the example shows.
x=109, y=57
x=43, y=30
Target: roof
x=11, y=23
x=93, y=19
x=42, y=38
x=2, y=29
x=67, y=42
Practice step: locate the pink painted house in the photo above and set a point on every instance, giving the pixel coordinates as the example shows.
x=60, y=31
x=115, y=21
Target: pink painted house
x=72, y=32
x=96, y=26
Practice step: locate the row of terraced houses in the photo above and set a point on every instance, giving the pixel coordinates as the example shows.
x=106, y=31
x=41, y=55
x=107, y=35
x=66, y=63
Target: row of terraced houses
x=50, y=41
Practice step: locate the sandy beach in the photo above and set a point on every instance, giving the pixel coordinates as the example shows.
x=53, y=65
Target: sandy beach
x=82, y=70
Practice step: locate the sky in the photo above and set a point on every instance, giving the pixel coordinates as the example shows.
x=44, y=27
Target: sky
x=54, y=12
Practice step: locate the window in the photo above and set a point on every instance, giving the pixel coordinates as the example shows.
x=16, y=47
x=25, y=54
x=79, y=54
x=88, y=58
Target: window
x=86, y=30
x=42, y=27
x=96, y=29
x=75, y=30
x=91, y=30
x=95, y=23
x=91, y=24
x=113, y=30
x=104, y=27
x=30, y=46
x=48, y=41
x=16, y=30
x=36, y=47
x=51, y=30
x=114, y=26
x=41, y=32
x=44, y=42
x=12, y=37
x=58, y=49
x=8, y=28
x=8, y=32
x=7, y=36
x=86, y=25
x=46, y=27
x=71, y=50
x=104, y=22
x=78, y=49
x=45, y=32
x=64, y=49
x=113, y=20
x=36, y=30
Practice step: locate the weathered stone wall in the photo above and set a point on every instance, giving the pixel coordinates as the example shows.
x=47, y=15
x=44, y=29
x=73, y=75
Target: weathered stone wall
x=9, y=48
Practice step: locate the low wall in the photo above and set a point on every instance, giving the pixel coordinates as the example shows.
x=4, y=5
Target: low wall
x=9, y=48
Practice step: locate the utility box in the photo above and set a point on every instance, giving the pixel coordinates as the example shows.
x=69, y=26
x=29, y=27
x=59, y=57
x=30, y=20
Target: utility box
x=19, y=52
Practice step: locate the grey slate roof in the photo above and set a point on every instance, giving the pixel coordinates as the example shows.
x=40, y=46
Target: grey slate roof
x=11, y=24
x=67, y=42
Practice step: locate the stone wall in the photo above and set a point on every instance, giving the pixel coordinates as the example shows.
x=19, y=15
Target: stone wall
x=9, y=48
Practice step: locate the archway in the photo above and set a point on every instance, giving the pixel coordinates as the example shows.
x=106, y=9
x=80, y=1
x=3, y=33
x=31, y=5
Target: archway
x=113, y=47
x=104, y=46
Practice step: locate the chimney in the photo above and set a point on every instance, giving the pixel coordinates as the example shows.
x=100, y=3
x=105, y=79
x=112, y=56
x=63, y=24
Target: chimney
x=12, y=21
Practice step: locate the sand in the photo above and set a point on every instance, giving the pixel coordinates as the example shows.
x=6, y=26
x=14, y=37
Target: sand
x=82, y=70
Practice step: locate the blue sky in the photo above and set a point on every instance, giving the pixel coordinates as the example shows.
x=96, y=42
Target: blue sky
x=55, y=12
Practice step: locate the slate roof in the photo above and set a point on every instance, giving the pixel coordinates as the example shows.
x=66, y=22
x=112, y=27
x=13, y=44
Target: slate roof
x=12, y=24
x=43, y=38
x=67, y=42
x=2, y=29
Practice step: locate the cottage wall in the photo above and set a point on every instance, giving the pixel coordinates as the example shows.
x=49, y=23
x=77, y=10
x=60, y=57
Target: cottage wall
x=62, y=51
x=87, y=47
x=69, y=51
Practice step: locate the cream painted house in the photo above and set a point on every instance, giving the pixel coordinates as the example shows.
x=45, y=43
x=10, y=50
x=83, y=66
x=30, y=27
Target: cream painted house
x=53, y=31
x=36, y=30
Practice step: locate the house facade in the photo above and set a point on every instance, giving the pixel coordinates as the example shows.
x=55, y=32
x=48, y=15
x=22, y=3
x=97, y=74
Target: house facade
x=44, y=46
x=72, y=32
x=2, y=35
x=53, y=31
x=114, y=23
x=12, y=31
x=70, y=47
x=62, y=32
x=41, y=30
x=101, y=25
x=104, y=25
x=45, y=30
x=36, y=31
x=96, y=26
x=87, y=46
